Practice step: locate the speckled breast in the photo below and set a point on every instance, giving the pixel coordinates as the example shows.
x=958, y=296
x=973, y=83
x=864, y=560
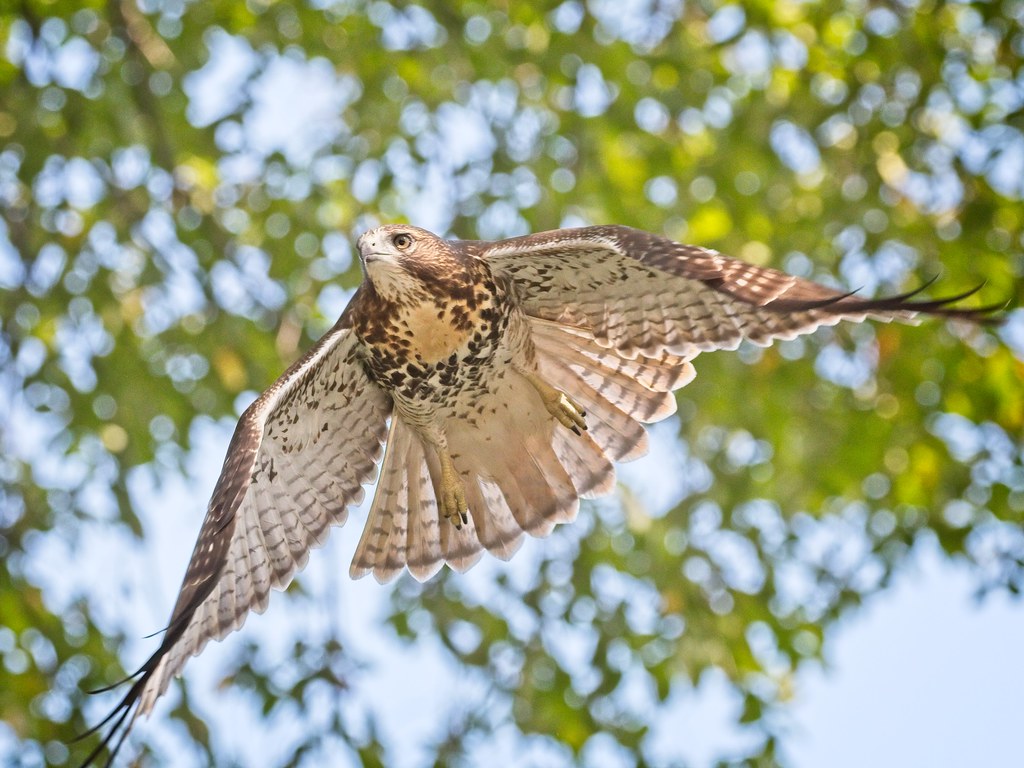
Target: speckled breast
x=429, y=351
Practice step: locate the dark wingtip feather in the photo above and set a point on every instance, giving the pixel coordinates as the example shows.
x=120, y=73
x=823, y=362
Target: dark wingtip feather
x=123, y=711
x=118, y=731
x=118, y=684
x=845, y=303
x=153, y=634
x=110, y=736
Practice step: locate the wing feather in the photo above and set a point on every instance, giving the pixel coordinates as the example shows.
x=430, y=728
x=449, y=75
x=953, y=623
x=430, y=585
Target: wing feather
x=639, y=293
x=297, y=460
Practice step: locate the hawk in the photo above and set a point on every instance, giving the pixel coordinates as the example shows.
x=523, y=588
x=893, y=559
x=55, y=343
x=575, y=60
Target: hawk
x=495, y=383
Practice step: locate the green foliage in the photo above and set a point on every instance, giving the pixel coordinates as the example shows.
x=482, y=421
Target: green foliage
x=160, y=257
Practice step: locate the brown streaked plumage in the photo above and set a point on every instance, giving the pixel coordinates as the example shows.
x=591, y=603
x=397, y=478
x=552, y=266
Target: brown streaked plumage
x=514, y=373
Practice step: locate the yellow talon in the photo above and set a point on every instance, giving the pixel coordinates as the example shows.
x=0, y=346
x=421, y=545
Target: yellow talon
x=453, y=495
x=566, y=411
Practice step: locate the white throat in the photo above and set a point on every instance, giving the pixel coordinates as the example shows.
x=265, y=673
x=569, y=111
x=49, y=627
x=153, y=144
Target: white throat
x=394, y=283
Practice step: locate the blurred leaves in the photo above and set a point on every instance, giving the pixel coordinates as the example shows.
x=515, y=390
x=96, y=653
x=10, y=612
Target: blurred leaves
x=180, y=183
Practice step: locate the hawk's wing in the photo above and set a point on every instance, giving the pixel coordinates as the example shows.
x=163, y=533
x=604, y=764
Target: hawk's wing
x=640, y=293
x=298, y=459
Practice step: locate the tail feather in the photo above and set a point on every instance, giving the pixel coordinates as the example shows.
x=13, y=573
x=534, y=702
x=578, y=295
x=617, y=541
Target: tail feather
x=424, y=550
x=459, y=547
x=496, y=526
x=513, y=449
x=548, y=485
x=382, y=546
x=591, y=470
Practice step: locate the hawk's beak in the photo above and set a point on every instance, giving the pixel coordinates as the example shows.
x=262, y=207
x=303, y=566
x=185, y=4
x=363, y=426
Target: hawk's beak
x=376, y=256
x=370, y=250
x=365, y=246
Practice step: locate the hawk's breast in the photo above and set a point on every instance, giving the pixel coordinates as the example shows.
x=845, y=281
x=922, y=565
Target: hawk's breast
x=434, y=334
x=434, y=345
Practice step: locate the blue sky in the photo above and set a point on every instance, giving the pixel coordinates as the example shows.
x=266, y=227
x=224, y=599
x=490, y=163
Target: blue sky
x=923, y=675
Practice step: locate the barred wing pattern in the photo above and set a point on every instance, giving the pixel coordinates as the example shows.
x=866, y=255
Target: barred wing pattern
x=639, y=293
x=297, y=460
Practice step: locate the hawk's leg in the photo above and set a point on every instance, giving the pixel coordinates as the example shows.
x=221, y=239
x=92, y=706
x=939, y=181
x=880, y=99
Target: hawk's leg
x=566, y=411
x=453, y=495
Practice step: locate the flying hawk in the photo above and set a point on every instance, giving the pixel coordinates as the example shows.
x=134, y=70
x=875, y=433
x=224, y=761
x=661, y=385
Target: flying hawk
x=495, y=382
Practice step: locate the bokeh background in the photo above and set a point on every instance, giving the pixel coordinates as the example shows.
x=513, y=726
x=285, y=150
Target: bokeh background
x=819, y=562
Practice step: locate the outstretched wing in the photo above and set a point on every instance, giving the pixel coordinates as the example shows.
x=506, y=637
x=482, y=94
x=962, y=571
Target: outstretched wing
x=642, y=294
x=298, y=459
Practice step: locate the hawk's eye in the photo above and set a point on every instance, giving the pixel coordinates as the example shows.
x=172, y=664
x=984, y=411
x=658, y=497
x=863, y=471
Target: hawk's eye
x=402, y=240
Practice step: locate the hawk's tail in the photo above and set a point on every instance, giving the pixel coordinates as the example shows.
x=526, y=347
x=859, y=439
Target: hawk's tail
x=522, y=471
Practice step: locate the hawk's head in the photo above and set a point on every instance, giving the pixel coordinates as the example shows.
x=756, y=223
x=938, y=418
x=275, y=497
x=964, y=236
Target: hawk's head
x=402, y=260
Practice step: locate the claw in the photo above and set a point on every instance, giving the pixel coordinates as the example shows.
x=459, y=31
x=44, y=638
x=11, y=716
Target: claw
x=571, y=414
x=453, y=495
x=566, y=411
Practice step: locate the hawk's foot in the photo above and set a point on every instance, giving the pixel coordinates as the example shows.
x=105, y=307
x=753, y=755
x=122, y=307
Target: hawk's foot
x=453, y=495
x=566, y=411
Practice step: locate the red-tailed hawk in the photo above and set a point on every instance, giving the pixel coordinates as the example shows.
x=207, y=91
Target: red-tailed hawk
x=496, y=383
